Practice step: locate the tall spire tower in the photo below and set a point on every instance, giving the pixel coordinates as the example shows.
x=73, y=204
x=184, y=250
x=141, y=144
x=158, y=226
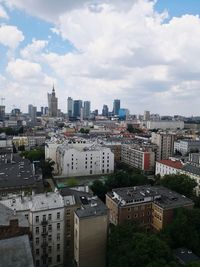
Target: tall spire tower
x=52, y=103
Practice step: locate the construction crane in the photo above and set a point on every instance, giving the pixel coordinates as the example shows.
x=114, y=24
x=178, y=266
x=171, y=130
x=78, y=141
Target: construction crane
x=2, y=99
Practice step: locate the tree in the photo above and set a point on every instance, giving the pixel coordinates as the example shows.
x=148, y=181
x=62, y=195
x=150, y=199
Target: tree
x=72, y=182
x=99, y=189
x=47, y=168
x=130, y=247
x=180, y=183
x=37, y=154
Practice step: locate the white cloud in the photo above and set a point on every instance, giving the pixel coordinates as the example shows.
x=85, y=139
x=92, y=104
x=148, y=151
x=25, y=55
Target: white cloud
x=3, y=13
x=34, y=49
x=10, y=36
x=124, y=49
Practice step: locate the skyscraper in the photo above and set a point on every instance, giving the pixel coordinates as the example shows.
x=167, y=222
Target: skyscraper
x=86, y=110
x=77, y=108
x=2, y=113
x=146, y=115
x=105, y=111
x=52, y=104
x=116, y=106
x=32, y=112
x=70, y=107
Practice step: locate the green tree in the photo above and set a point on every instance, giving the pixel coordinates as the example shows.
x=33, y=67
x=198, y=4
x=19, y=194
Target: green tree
x=129, y=247
x=47, y=168
x=72, y=182
x=99, y=189
x=180, y=183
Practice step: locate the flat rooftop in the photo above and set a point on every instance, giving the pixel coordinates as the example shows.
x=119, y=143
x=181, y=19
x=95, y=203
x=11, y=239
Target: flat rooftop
x=16, y=251
x=18, y=173
x=163, y=197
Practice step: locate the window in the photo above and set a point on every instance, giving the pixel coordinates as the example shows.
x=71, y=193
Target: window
x=44, y=229
x=49, y=217
x=90, y=171
x=107, y=170
x=129, y=209
x=58, y=226
x=49, y=227
x=58, y=237
x=49, y=249
x=44, y=217
x=26, y=216
x=128, y=217
x=58, y=215
x=37, y=240
x=103, y=171
x=58, y=258
x=37, y=262
x=49, y=260
x=37, y=219
x=58, y=246
x=49, y=238
x=37, y=251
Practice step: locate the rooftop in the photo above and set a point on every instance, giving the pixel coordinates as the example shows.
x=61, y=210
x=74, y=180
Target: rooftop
x=38, y=202
x=16, y=251
x=18, y=173
x=172, y=163
x=7, y=215
x=192, y=169
x=186, y=256
x=160, y=195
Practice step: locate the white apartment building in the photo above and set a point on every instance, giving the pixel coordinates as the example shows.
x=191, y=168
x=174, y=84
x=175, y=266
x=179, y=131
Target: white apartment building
x=165, y=125
x=185, y=146
x=84, y=159
x=45, y=213
x=168, y=166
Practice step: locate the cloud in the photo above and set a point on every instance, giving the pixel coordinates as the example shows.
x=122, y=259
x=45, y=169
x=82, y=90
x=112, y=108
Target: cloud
x=123, y=49
x=10, y=36
x=3, y=13
x=34, y=49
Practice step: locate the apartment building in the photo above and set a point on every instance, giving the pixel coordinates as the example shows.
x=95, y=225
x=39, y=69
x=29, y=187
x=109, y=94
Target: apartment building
x=90, y=233
x=84, y=159
x=151, y=206
x=168, y=166
x=165, y=125
x=186, y=146
x=137, y=156
x=165, y=143
x=45, y=214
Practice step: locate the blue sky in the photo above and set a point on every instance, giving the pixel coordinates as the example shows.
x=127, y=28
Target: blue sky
x=118, y=52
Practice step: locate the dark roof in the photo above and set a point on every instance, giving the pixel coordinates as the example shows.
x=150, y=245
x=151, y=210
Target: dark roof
x=18, y=174
x=186, y=256
x=16, y=251
x=160, y=195
x=192, y=169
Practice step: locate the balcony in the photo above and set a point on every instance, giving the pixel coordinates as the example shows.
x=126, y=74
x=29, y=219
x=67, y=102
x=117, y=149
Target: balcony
x=44, y=245
x=44, y=222
x=44, y=234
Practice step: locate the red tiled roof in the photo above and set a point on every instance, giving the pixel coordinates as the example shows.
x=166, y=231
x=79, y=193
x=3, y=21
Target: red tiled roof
x=174, y=164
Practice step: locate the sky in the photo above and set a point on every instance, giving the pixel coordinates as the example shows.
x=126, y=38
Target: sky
x=144, y=52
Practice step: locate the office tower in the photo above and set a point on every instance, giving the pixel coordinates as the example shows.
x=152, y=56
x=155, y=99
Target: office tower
x=32, y=112
x=77, y=108
x=146, y=115
x=86, y=110
x=2, y=112
x=70, y=107
x=96, y=112
x=52, y=103
x=123, y=113
x=105, y=111
x=46, y=111
x=116, y=106
x=165, y=143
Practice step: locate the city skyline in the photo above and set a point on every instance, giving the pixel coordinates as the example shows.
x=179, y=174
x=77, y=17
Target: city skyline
x=144, y=53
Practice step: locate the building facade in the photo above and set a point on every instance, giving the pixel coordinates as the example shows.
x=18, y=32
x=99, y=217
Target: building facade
x=52, y=104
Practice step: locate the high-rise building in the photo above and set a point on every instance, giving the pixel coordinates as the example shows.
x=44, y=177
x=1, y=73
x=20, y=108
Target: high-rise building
x=77, y=108
x=70, y=107
x=105, y=111
x=52, y=104
x=165, y=143
x=146, y=115
x=116, y=106
x=2, y=113
x=32, y=112
x=86, y=110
